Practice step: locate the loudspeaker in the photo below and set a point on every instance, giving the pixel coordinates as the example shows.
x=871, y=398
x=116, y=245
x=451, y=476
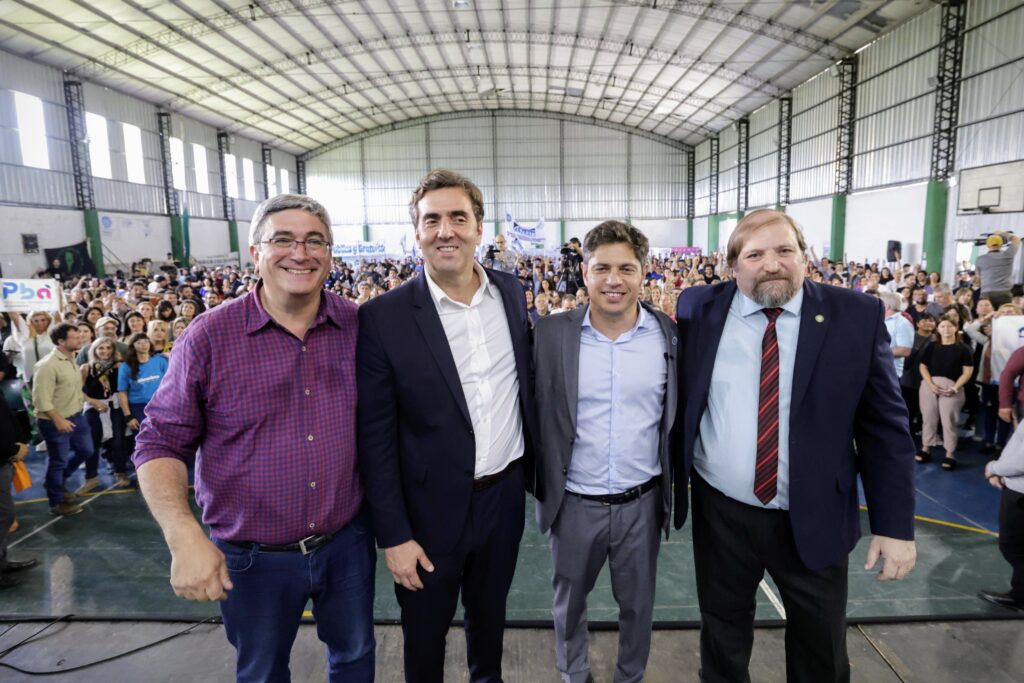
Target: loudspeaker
x=894, y=251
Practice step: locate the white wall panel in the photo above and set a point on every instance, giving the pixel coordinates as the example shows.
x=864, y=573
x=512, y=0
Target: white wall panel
x=467, y=146
x=210, y=238
x=528, y=169
x=54, y=228
x=874, y=218
x=595, y=172
x=658, y=180
x=132, y=237
x=335, y=180
x=815, y=220
x=394, y=164
x=664, y=233
x=700, y=233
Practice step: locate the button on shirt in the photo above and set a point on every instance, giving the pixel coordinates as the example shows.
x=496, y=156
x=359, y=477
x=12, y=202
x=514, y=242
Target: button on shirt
x=726, y=447
x=481, y=346
x=269, y=419
x=621, y=400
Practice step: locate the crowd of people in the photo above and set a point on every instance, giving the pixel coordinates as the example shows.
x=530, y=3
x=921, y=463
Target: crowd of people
x=112, y=341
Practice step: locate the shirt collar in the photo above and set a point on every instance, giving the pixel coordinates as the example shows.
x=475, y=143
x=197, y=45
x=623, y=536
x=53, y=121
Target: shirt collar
x=749, y=307
x=642, y=320
x=258, y=317
x=439, y=296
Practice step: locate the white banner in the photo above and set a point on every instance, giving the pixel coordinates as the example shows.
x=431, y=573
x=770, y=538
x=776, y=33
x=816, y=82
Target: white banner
x=26, y=296
x=353, y=250
x=218, y=260
x=523, y=238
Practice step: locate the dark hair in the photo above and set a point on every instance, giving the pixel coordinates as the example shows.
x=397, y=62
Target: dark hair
x=616, y=232
x=131, y=357
x=163, y=308
x=60, y=332
x=927, y=316
x=439, y=179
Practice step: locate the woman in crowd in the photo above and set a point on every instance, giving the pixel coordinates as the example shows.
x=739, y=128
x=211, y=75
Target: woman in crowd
x=103, y=412
x=32, y=339
x=165, y=311
x=87, y=332
x=146, y=310
x=994, y=432
x=531, y=310
x=188, y=309
x=92, y=314
x=946, y=366
x=157, y=331
x=134, y=324
x=138, y=378
x=886, y=276
x=177, y=327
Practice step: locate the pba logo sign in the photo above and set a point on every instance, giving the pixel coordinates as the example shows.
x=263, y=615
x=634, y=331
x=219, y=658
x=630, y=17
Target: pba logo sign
x=28, y=295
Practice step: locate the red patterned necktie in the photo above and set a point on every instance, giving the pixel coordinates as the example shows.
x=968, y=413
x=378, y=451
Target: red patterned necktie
x=766, y=470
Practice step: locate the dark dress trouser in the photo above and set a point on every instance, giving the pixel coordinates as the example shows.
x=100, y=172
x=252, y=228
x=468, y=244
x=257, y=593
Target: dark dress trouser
x=480, y=567
x=1011, y=538
x=733, y=545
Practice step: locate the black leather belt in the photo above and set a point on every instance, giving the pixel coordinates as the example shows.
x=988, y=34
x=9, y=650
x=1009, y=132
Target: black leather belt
x=619, y=498
x=305, y=546
x=490, y=480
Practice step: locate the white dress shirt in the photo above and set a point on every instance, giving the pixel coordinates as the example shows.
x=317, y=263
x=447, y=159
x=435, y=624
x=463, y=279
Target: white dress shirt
x=481, y=345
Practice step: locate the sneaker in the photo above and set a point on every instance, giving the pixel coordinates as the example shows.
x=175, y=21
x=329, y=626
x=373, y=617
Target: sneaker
x=41, y=447
x=19, y=565
x=89, y=484
x=65, y=509
x=123, y=481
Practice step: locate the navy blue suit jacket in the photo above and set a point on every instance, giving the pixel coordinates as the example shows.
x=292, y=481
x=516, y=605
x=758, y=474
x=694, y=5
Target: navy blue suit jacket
x=416, y=444
x=847, y=417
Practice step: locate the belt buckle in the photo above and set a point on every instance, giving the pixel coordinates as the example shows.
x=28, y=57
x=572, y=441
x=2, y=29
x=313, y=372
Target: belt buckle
x=302, y=545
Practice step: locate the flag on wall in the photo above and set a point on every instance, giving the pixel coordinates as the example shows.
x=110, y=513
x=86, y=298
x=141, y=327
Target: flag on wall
x=74, y=259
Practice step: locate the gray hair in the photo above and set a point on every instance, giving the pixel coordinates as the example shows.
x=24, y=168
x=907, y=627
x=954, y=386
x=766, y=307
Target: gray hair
x=284, y=202
x=891, y=300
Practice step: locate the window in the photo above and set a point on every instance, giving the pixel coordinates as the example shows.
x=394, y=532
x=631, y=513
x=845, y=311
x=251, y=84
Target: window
x=271, y=181
x=286, y=185
x=99, y=145
x=231, y=174
x=249, y=178
x=133, y=153
x=31, y=130
x=202, y=174
x=178, y=163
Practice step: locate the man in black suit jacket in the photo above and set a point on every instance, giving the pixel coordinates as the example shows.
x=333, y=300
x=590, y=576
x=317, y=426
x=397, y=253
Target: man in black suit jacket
x=789, y=391
x=445, y=416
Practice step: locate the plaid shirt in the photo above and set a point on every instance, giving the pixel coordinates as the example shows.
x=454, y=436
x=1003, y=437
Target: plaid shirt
x=269, y=419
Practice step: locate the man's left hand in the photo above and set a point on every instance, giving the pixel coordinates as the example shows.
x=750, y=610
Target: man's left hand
x=898, y=557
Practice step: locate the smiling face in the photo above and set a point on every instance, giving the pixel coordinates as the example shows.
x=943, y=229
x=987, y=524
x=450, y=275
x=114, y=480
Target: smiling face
x=296, y=271
x=770, y=266
x=614, y=279
x=447, y=232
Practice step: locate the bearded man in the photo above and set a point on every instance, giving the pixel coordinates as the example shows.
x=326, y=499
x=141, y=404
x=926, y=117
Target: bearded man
x=789, y=391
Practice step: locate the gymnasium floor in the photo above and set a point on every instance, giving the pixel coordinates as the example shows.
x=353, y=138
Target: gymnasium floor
x=108, y=568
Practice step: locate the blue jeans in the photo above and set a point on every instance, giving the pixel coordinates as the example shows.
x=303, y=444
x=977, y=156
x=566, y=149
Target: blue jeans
x=66, y=452
x=263, y=610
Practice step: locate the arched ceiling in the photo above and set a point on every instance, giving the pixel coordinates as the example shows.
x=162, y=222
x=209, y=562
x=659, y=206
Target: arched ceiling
x=302, y=74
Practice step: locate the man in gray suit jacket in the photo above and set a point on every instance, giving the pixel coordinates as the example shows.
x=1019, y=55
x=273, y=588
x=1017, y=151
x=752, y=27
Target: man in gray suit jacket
x=606, y=396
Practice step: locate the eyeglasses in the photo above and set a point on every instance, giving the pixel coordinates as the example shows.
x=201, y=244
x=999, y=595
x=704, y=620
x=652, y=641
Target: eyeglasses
x=313, y=245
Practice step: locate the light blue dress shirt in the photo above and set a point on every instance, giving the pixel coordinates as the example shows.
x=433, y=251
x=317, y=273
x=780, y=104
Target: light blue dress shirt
x=726, y=448
x=619, y=408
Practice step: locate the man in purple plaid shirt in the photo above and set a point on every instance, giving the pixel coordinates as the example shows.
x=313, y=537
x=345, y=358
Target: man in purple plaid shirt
x=261, y=393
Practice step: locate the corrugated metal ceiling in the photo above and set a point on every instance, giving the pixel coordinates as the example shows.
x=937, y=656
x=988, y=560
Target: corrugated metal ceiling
x=303, y=74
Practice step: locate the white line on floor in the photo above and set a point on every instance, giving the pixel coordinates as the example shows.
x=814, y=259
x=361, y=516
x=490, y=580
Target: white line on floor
x=51, y=522
x=773, y=598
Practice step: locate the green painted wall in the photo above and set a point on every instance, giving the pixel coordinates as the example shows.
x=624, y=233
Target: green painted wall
x=92, y=234
x=838, y=243
x=935, y=205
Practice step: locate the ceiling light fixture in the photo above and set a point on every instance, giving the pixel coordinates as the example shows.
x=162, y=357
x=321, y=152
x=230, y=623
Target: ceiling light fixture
x=461, y=4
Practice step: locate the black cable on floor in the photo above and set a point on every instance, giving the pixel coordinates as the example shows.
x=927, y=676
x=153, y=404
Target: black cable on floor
x=88, y=665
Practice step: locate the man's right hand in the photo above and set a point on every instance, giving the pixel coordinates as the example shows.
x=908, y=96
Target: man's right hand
x=199, y=571
x=66, y=426
x=402, y=562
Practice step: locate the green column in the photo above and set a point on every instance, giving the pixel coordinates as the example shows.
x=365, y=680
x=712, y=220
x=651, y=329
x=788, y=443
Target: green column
x=366, y=232
x=837, y=246
x=92, y=234
x=561, y=231
x=178, y=240
x=233, y=239
x=935, y=205
x=713, y=221
x=689, y=232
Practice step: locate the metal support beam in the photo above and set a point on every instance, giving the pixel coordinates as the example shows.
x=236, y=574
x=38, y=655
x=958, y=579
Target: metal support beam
x=268, y=161
x=179, y=247
x=75, y=106
x=743, y=165
x=300, y=176
x=785, y=146
x=691, y=183
x=847, y=114
x=629, y=178
x=947, y=90
x=223, y=149
x=713, y=178
x=362, y=181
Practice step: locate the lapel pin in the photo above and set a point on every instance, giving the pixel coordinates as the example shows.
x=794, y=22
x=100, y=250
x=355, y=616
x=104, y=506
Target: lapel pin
x=820, y=318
